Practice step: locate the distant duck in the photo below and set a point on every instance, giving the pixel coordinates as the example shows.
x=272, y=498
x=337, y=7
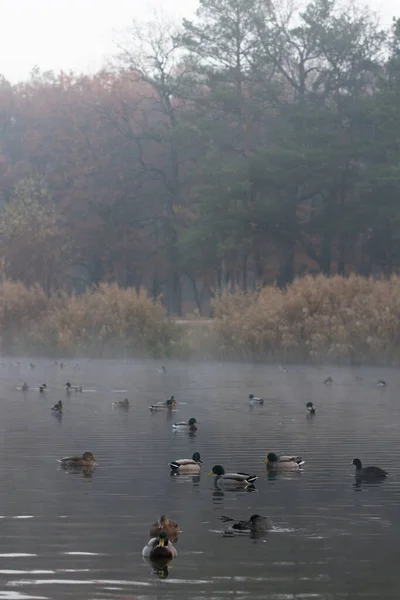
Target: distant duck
x=381, y=383
x=187, y=465
x=285, y=463
x=58, y=408
x=164, y=370
x=166, y=525
x=256, y=523
x=61, y=365
x=31, y=366
x=43, y=388
x=255, y=399
x=73, y=388
x=328, y=380
x=191, y=425
x=159, y=547
x=359, y=378
x=86, y=460
x=170, y=404
x=283, y=368
x=25, y=387
x=310, y=408
x=221, y=477
x=368, y=473
x=123, y=403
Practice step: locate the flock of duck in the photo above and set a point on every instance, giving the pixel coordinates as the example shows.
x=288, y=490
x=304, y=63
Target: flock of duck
x=164, y=532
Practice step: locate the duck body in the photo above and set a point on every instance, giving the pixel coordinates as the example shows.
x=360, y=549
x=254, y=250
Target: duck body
x=310, y=408
x=159, y=547
x=284, y=462
x=368, y=473
x=237, y=479
x=43, y=388
x=73, y=388
x=187, y=465
x=169, y=404
x=86, y=460
x=123, y=403
x=256, y=523
x=191, y=425
x=381, y=383
x=25, y=387
x=328, y=380
x=58, y=408
x=255, y=399
x=168, y=526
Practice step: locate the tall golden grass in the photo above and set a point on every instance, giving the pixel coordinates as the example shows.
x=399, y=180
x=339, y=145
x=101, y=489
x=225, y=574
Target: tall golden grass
x=316, y=319
x=104, y=321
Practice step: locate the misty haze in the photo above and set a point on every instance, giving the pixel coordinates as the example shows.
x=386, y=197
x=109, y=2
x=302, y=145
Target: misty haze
x=200, y=301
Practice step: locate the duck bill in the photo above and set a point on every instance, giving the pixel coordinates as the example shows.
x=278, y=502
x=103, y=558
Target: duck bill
x=266, y=461
x=161, y=544
x=210, y=473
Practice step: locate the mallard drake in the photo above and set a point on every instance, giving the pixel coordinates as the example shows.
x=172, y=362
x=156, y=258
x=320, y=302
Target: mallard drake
x=368, y=473
x=255, y=399
x=187, y=465
x=169, y=404
x=381, y=383
x=42, y=388
x=86, y=460
x=168, y=526
x=159, y=547
x=310, y=408
x=58, y=407
x=328, y=380
x=25, y=387
x=191, y=425
x=238, y=478
x=73, y=388
x=124, y=403
x=255, y=523
x=292, y=463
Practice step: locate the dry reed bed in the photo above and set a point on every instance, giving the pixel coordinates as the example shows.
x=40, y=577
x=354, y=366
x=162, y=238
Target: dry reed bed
x=316, y=319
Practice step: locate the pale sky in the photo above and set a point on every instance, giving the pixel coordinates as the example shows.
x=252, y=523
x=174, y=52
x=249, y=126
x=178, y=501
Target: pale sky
x=79, y=35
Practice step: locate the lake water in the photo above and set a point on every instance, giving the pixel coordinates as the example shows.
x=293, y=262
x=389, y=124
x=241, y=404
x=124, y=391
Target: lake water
x=66, y=535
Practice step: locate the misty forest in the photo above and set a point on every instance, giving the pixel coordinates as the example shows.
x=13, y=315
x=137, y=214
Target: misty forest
x=243, y=165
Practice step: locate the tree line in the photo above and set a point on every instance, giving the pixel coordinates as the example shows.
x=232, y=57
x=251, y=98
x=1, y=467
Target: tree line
x=249, y=145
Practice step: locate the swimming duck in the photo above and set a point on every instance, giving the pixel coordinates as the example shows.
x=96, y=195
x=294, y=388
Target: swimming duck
x=124, y=403
x=58, y=407
x=86, y=460
x=255, y=523
x=168, y=526
x=310, y=408
x=256, y=400
x=368, y=473
x=328, y=380
x=42, y=388
x=73, y=388
x=169, y=404
x=24, y=387
x=189, y=426
x=159, y=547
x=381, y=383
x=244, y=479
x=187, y=465
x=288, y=463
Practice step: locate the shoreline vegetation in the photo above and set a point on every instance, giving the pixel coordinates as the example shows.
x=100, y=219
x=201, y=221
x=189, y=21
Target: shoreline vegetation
x=319, y=319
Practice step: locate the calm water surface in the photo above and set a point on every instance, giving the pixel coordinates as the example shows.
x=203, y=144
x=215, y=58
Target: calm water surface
x=66, y=535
